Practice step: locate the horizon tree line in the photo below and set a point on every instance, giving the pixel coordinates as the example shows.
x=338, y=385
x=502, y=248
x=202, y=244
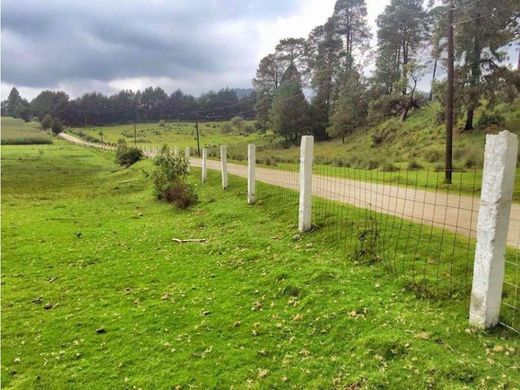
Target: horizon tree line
x=126, y=106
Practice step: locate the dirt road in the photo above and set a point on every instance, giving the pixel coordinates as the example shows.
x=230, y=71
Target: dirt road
x=452, y=212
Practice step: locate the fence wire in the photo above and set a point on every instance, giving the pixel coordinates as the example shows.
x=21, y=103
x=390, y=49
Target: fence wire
x=409, y=220
x=510, y=306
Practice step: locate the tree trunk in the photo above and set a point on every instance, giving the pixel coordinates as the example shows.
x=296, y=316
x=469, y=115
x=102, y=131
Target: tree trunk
x=343, y=139
x=433, y=78
x=475, y=76
x=469, y=119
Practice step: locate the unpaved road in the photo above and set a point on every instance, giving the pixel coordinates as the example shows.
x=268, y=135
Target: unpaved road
x=450, y=211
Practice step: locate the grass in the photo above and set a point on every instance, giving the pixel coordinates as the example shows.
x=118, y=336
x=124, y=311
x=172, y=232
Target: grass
x=181, y=134
x=416, y=143
x=254, y=307
x=18, y=132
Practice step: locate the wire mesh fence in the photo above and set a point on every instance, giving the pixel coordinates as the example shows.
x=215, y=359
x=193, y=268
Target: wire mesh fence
x=510, y=306
x=408, y=220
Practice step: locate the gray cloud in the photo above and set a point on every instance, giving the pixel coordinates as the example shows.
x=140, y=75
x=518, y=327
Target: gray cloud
x=50, y=43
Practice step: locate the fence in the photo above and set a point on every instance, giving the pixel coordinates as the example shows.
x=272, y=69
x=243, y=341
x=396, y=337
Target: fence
x=419, y=228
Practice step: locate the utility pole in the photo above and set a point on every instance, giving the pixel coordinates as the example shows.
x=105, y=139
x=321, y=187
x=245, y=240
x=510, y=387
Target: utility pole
x=449, y=99
x=197, y=130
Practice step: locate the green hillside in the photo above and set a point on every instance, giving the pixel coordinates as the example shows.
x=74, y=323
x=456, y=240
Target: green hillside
x=418, y=142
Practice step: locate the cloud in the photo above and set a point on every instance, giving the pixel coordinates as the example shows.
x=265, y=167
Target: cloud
x=199, y=45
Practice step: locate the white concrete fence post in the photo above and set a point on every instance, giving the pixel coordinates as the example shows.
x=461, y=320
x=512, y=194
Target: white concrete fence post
x=204, y=165
x=305, y=207
x=251, y=164
x=187, y=156
x=176, y=151
x=223, y=164
x=498, y=176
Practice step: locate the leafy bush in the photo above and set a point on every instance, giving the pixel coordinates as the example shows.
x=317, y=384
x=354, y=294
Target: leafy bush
x=125, y=155
x=170, y=179
x=491, y=118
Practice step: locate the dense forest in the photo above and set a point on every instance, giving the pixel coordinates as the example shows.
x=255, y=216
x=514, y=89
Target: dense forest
x=54, y=109
x=354, y=85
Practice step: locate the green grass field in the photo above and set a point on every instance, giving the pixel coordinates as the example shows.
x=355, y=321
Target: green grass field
x=181, y=134
x=18, y=132
x=97, y=295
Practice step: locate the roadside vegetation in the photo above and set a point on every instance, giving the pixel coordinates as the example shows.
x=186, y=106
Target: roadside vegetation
x=110, y=300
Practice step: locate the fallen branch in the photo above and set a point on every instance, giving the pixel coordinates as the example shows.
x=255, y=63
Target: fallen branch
x=189, y=240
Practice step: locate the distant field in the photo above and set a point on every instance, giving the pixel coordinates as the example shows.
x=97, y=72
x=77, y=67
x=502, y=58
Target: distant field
x=18, y=132
x=181, y=134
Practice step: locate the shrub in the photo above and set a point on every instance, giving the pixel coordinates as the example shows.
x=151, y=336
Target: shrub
x=433, y=155
x=491, y=118
x=57, y=126
x=46, y=122
x=161, y=123
x=170, y=179
x=414, y=165
x=377, y=139
x=125, y=155
x=389, y=167
x=367, y=243
x=227, y=128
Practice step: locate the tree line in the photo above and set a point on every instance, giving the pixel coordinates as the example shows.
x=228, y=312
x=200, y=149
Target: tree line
x=333, y=63
x=54, y=108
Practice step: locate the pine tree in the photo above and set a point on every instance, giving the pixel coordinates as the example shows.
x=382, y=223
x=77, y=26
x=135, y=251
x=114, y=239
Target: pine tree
x=351, y=108
x=288, y=115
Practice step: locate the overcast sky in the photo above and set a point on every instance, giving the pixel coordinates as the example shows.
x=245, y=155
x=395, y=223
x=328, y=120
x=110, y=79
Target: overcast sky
x=196, y=45
x=107, y=45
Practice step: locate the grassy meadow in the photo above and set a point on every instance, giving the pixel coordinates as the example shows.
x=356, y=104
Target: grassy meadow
x=97, y=295
x=18, y=132
x=181, y=134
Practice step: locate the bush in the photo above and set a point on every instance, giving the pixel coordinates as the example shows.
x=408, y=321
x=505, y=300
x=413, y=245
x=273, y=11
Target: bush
x=491, y=118
x=414, y=165
x=433, y=155
x=367, y=243
x=125, y=155
x=57, y=126
x=227, y=128
x=170, y=179
x=161, y=123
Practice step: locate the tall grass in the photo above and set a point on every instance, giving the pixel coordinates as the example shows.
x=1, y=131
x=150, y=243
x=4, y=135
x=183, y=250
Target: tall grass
x=17, y=132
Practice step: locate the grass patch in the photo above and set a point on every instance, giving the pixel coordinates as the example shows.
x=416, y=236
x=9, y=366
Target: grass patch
x=96, y=294
x=18, y=132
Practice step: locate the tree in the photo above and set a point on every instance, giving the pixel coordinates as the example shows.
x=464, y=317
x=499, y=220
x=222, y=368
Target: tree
x=266, y=82
x=13, y=100
x=46, y=122
x=57, y=126
x=483, y=28
x=350, y=20
x=49, y=102
x=402, y=29
x=289, y=111
x=238, y=123
x=323, y=53
x=351, y=108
